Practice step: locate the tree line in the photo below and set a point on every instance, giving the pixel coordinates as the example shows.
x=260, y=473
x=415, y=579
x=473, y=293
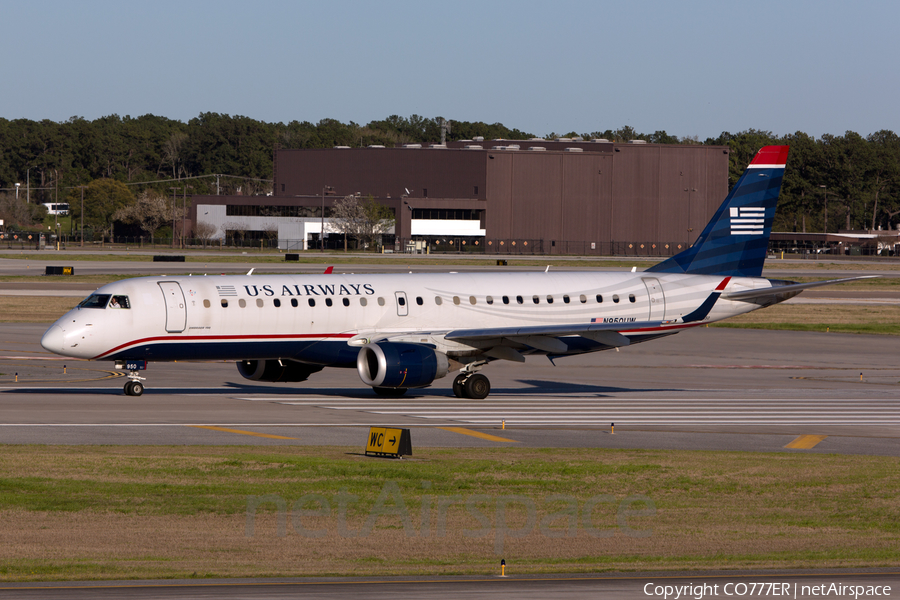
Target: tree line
x=859, y=176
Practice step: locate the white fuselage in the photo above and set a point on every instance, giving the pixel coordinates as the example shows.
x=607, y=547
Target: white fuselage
x=317, y=318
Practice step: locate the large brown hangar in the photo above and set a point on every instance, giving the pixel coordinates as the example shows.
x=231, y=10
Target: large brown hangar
x=514, y=196
x=555, y=196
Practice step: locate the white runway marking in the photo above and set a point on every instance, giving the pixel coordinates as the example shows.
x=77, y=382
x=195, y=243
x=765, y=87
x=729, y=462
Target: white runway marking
x=595, y=411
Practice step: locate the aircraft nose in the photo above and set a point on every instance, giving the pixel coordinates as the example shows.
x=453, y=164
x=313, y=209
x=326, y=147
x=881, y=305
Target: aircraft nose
x=53, y=339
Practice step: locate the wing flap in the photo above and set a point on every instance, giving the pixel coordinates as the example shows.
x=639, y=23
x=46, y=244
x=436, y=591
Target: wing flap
x=522, y=334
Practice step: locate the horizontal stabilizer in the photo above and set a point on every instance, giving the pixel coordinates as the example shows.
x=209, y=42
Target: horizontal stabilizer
x=790, y=290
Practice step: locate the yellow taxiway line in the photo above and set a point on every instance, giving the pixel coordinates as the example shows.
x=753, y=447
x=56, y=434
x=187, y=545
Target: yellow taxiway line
x=242, y=432
x=478, y=434
x=805, y=442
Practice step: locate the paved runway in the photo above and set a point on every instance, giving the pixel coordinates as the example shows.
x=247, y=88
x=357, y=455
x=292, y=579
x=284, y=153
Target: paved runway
x=808, y=584
x=710, y=389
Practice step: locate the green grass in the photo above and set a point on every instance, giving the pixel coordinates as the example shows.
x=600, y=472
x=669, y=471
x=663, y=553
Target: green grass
x=159, y=512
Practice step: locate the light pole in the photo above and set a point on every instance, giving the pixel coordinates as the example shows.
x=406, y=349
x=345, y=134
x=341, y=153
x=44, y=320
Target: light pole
x=56, y=207
x=826, y=207
x=322, y=234
x=173, y=215
x=28, y=185
x=82, y=215
x=17, y=190
x=184, y=210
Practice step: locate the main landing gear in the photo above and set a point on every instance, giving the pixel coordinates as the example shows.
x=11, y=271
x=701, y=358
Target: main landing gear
x=469, y=384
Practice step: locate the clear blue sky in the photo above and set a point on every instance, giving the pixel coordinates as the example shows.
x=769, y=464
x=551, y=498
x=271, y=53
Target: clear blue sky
x=688, y=67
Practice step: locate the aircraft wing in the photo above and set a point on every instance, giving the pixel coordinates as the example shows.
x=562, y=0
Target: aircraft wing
x=779, y=293
x=544, y=337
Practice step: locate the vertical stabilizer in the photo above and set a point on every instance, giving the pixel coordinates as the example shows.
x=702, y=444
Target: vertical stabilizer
x=735, y=241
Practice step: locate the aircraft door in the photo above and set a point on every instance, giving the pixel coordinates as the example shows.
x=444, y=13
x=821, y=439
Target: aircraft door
x=402, y=304
x=176, y=307
x=657, y=299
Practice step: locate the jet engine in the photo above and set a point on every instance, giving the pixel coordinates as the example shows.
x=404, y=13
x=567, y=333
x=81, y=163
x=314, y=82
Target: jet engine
x=400, y=365
x=276, y=370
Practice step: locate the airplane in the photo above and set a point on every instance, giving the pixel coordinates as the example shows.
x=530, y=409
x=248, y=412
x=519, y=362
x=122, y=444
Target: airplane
x=404, y=331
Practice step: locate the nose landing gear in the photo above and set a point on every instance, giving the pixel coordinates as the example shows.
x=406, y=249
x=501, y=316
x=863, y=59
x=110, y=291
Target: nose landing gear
x=134, y=387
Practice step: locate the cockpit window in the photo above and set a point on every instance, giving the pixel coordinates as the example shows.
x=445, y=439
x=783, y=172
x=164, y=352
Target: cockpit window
x=119, y=302
x=95, y=301
x=102, y=300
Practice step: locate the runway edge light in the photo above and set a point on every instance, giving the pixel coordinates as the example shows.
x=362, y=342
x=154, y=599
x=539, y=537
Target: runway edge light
x=387, y=441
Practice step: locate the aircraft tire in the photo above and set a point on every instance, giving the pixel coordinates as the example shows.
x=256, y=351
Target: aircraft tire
x=459, y=389
x=477, y=387
x=137, y=388
x=128, y=388
x=389, y=392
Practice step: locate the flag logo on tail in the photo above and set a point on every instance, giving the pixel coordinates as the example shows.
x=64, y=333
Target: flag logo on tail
x=747, y=220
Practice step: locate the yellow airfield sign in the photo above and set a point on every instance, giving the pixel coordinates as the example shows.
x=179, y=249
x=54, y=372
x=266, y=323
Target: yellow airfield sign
x=388, y=440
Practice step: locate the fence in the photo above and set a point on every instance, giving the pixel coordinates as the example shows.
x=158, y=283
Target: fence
x=24, y=240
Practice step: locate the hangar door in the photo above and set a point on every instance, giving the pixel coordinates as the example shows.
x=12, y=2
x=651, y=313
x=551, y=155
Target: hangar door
x=176, y=310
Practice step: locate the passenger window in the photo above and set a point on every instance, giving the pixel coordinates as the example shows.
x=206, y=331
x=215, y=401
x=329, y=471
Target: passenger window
x=328, y=302
x=119, y=302
x=206, y=304
x=456, y=300
x=363, y=301
x=401, y=300
x=566, y=299
x=346, y=301
x=242, y=303
x=312, y=301
x=520, y=300
x=438, y=301
x=599, y=298
x=535, y=299
x=259, y=302
x=224, y=303
x=631, y=298
x=95, y=301
x=380, y=301
x=616, y=298
x=472, y=300
x=583, y=298
x=276, y=302
x=505, y=299
x=549, y=299
x=294, y=302
x=489, y=299
x=419, y=300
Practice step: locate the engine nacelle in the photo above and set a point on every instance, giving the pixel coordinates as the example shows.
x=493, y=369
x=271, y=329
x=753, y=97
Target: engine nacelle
x=276, y=370
x=400, y=365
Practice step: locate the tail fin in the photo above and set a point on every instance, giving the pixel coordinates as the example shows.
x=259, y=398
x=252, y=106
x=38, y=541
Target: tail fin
x=735, y=241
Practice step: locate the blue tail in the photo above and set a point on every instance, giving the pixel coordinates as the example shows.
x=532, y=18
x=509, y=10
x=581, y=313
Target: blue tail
x=735, y=241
